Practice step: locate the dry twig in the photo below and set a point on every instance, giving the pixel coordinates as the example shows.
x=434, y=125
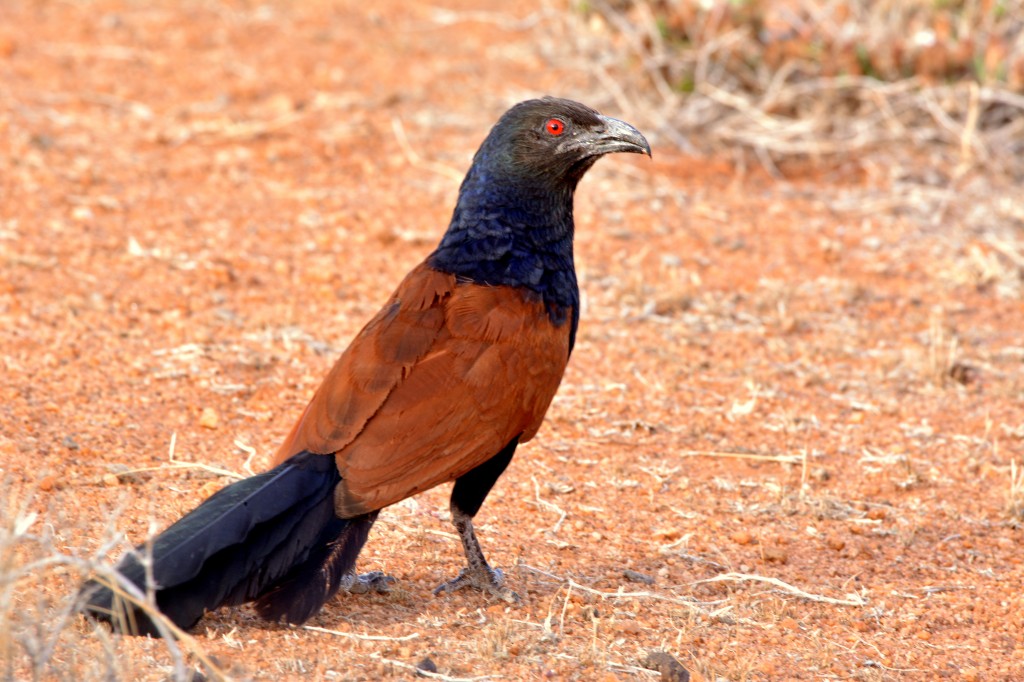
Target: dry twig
x=750, y=577
x=363, y=638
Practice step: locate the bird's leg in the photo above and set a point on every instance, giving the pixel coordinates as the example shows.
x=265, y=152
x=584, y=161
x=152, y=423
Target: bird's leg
x=467, y=496
x=477, y=572
x=363, y=583
x=349, y=545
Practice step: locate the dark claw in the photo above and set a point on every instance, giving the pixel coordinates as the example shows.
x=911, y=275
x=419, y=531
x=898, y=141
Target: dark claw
x=489, y=580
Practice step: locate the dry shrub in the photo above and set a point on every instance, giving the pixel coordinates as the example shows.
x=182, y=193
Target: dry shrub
x=936, y=41
x=810, y=79
x=42, y=634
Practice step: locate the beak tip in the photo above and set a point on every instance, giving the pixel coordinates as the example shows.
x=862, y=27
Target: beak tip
x=641, y=146
x=630, y=139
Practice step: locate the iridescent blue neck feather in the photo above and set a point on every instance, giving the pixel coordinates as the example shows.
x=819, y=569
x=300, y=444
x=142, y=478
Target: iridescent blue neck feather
x=514, y=230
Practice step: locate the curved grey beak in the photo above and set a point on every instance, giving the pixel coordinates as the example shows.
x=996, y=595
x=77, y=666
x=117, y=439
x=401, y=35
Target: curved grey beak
x=619, y=136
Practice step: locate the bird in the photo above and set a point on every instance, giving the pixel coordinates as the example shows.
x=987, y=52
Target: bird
x=455, y=371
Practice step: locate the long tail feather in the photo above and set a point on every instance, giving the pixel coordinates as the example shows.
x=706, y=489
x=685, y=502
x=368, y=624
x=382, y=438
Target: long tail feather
x=240, y=543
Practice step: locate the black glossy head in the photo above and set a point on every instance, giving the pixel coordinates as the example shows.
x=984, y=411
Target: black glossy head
x=557, y=140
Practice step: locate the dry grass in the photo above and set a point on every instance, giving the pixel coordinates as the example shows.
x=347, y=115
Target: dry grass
x=41, y=631
x=33, y=625
x=1015, y=494
x=804, y=80
x=42, y=635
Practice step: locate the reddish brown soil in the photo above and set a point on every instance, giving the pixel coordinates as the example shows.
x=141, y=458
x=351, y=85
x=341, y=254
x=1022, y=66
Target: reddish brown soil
x=815, y=381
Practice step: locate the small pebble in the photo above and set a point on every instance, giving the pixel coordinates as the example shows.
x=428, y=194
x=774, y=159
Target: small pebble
x=637, y=577
x=671, y=669
x=742, y=537
x=209, y=419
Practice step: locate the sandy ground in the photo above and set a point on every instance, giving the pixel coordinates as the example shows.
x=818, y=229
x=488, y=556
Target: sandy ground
x=782, y=449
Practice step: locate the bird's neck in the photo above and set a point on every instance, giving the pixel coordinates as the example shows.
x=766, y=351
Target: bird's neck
x=514, y=232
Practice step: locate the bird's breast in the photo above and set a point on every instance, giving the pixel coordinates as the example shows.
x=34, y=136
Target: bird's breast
x=490, y=377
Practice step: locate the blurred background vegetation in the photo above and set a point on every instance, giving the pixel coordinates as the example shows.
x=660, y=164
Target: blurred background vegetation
x=800, y=78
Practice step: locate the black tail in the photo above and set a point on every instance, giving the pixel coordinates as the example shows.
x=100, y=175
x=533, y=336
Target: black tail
x=273, y=538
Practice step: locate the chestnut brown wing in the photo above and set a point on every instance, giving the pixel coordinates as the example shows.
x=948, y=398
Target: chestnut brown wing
x=442, y=378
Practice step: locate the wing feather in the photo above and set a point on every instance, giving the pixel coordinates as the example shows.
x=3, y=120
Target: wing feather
x=434, y=385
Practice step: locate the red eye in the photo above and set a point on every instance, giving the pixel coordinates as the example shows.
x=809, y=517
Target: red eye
x=554, y=126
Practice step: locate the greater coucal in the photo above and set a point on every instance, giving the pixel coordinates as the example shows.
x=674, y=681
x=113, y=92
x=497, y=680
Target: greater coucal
x=455, y=371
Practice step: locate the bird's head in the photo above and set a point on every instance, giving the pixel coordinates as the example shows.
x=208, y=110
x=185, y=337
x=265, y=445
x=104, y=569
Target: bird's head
x=555, y=141
x=513, y=223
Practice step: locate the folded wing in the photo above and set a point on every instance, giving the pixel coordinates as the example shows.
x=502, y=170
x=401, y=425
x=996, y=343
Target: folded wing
x=437, y=383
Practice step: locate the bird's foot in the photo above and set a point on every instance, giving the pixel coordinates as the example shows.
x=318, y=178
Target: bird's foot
x=483, y=578
x=374, y=581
